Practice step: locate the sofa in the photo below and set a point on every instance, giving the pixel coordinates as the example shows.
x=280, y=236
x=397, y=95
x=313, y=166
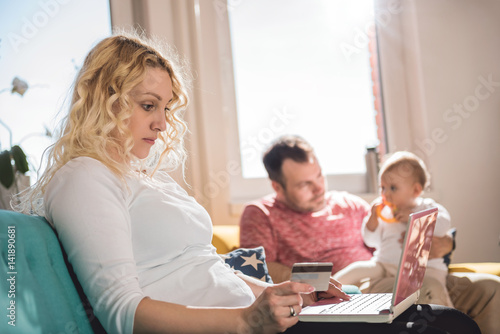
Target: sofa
x=39, y=290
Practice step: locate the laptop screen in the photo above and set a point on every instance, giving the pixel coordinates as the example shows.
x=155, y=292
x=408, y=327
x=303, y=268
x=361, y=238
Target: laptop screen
x=415, y=253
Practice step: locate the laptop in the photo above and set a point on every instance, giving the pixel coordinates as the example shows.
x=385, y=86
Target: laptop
x=385, y=307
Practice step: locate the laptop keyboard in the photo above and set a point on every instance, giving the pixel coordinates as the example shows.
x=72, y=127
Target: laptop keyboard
x=361, y=303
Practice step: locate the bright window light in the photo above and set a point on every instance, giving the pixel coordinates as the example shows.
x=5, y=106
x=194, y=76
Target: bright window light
x=44, y=44
x=302, y=67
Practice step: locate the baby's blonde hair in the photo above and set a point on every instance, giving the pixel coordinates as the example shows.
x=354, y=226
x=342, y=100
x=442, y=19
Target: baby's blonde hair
x=97, y=122
x=406, y=164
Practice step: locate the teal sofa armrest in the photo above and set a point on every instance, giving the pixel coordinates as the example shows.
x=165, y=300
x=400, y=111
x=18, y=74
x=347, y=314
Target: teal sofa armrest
x=38, y=292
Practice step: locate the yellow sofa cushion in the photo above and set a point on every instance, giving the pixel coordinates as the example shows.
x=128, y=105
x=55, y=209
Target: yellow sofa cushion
x=479, y=267
x=226, y=238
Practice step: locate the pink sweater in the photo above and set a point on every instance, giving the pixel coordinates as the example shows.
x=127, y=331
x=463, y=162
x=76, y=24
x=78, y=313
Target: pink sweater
x=332, y=234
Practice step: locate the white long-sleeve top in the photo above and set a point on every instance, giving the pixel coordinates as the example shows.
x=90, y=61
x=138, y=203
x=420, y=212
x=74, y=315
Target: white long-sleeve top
x=151, y=239
x=385, y=238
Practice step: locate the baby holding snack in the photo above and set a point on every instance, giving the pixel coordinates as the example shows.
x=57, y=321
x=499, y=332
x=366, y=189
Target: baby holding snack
x=403, y=178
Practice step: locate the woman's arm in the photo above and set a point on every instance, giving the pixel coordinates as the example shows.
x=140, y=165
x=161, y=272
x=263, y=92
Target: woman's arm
x=270, y=313
x=87, y=206
x=256, y=285
x=154, y=316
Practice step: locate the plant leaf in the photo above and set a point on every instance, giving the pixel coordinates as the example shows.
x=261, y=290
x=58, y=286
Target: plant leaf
x=20, y=159
x=6, y=170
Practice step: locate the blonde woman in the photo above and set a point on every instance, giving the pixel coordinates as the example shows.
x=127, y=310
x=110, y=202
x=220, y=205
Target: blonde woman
x=139, y=245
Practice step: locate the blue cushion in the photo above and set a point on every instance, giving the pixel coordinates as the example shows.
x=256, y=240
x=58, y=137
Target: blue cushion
x=351, y=289
x=46, y=299
x=250, y=261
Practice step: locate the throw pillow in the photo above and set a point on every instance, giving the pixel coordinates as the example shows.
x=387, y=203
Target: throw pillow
x=250, y=261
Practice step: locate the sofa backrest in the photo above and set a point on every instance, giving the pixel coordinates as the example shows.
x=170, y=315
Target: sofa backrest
x=39, y=292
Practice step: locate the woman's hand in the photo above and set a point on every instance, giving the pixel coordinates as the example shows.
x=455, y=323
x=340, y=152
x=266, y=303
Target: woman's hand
x=276, y=308
x=334, y=290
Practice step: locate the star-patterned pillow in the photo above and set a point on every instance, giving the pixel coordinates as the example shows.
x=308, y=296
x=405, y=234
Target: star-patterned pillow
x=250, y=261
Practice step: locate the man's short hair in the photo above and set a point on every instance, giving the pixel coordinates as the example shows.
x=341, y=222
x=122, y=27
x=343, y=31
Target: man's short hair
x=285, y=147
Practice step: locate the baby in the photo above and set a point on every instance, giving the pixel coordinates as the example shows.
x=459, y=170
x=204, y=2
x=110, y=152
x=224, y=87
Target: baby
x=403, y=178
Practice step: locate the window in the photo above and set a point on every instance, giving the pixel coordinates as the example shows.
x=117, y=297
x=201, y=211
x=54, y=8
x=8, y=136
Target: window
x=305, y=67
x=43, y=44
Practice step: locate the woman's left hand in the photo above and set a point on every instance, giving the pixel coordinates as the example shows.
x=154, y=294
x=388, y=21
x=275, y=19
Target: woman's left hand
x=334, y=290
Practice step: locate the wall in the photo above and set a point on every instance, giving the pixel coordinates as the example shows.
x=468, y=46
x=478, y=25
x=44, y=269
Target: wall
x=441, y=76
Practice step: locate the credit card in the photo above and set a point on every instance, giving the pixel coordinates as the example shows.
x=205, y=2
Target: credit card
x=316, y=274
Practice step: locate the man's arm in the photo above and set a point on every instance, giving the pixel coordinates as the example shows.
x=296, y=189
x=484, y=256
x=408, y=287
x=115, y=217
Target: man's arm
x=441, y=246
x=279, y=272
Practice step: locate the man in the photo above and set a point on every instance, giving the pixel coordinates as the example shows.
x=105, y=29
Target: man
x=302, y=222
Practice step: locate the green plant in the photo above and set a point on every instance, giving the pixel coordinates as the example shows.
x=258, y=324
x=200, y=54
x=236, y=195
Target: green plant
x=13, y=160
x=7, y=170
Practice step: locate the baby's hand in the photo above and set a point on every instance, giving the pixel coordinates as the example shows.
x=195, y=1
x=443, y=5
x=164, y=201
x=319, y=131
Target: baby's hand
x=402, y=215
x=376, y=204
x=372, y=222
x=385, y=211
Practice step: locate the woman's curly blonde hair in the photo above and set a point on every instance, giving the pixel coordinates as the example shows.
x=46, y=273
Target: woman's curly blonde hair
x=97, y=122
